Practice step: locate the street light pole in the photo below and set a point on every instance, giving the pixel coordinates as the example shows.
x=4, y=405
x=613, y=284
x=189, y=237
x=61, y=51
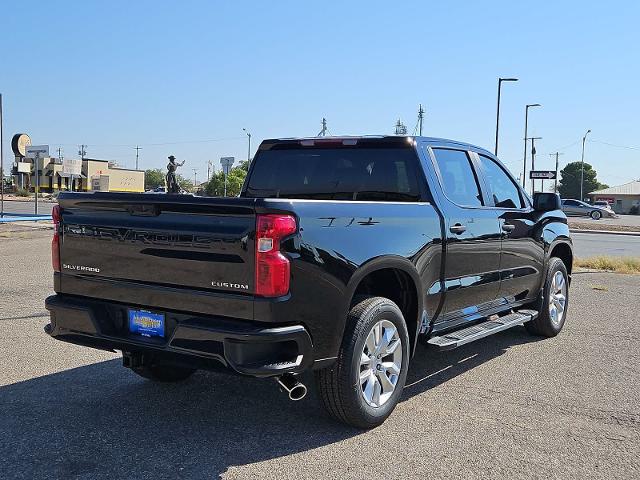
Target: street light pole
x=555, y=184
x=533, y=161
x=524, y=158
x=584, y=139
x=248, y=149
x=500, y=80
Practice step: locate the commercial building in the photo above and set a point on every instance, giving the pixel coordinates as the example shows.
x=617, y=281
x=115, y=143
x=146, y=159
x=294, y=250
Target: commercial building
x=622, y=198
x=54, y=174
x=96, y=175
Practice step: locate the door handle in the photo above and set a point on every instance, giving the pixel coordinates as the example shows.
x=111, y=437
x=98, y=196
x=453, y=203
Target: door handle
x=457, y=228
x=507, y=227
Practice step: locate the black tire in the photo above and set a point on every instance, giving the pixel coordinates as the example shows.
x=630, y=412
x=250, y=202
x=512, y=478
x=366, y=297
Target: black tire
x=596, y=215
x=544, y=325
x=164, y=373
x=339, y=386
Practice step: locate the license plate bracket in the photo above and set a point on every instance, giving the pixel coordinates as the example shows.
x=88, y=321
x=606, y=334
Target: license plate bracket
x=146, y=323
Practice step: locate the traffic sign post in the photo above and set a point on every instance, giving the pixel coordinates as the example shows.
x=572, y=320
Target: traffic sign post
x=542, y=174
x=36, y=152
x=73, y=168
x=227, y=163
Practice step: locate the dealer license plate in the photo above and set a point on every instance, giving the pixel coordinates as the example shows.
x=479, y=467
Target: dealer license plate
x=146, y=323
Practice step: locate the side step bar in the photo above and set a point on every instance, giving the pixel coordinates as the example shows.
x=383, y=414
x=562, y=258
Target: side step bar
x=458, y=338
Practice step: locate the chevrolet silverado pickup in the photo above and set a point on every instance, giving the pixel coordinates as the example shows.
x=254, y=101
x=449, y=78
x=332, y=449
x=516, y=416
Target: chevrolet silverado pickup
x=339, y=255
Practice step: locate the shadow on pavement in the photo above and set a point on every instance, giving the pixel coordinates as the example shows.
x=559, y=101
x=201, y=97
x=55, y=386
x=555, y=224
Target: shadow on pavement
x=101, y=420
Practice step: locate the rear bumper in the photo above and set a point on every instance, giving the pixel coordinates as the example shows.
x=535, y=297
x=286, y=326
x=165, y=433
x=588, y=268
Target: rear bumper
x=245, y=347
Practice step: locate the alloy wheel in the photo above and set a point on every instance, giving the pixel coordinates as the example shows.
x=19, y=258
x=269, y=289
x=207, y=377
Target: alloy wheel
x=380, y=363
x=557, y=298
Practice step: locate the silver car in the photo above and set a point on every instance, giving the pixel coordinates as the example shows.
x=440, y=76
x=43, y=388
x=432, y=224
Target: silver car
x=576, y=207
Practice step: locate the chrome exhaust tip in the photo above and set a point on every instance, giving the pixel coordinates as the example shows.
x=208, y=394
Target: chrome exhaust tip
x=295, y=389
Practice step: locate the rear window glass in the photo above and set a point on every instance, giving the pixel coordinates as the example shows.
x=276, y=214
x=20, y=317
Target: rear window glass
x=368, y=174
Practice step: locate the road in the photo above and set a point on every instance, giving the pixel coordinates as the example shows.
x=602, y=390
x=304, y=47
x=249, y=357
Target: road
x=595, y=244
x=17, y=206
x=510, y=406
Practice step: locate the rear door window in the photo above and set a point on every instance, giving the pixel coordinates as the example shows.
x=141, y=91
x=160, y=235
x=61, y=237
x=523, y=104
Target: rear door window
x=459, y=180
x=369, y=174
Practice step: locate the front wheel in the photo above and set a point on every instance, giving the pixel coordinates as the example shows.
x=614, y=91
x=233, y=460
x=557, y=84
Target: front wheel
x=596, y=215
x=555, y=301
x=365, y=384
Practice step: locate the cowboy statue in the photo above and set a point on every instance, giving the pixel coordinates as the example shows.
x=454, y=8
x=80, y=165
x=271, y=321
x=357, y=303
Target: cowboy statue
x=172, y=181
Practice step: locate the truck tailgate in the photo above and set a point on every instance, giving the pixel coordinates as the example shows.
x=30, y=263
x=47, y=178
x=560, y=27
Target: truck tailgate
x=157, y=243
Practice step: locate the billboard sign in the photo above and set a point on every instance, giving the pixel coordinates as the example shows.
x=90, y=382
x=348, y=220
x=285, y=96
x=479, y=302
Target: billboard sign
x=24, y=167
x=72, y=166
x=40, y=151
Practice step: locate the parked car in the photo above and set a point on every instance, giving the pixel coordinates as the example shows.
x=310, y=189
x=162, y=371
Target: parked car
x=577, y=208
x=338, y=256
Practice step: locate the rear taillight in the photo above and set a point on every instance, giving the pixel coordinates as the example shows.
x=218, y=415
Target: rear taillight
x=272, y=267
x=55, y=242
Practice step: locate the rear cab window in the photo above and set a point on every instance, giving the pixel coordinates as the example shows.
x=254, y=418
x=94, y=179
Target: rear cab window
x=335, y=173
x=458, y=178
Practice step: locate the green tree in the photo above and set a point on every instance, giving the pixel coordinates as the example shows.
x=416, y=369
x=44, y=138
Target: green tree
x=569, y=186
x=215, y=187
x=185, y=183
x=153, y=178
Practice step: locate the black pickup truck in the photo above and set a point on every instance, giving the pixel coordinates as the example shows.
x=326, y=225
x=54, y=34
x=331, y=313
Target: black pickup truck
x=339, y=256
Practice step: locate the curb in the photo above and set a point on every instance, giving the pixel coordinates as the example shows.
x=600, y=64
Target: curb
x=607, y=232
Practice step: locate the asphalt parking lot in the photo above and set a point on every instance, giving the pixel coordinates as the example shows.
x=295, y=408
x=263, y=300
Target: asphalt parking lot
x=510, y=406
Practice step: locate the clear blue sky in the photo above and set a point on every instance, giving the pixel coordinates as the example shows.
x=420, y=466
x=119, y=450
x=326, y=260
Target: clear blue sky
x=120, y=73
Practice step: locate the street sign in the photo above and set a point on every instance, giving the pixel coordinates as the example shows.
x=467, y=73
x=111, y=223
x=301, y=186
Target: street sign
x=72, y=166
x=40, y=151
x=542, y=174
x=227, y=163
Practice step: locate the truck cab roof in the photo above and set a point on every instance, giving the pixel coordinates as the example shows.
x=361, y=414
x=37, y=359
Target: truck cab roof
x=352, y=140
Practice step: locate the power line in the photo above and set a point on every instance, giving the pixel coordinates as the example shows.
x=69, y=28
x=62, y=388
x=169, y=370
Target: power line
x=614, y=145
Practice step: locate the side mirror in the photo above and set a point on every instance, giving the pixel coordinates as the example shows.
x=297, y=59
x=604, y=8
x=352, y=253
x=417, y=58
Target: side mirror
x=546, y=202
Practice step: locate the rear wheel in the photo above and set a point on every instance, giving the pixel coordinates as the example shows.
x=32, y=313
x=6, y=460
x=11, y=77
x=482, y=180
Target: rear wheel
x=365, y=384
x=164, y=373
x=555, y=301
x=596, y=215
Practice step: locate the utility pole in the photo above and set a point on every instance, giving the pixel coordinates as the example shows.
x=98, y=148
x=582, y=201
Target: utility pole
x=420, y=117
x=533, y=160
x=249, y=149
x=401, y=128
x=82, y=151
x=584, y=139
x=138, y=148
x=500, y=80
x=209, y=171
x=195, y=177
x=524, y=157
x=555, y=185
x=60, y=153
x=1, y=163
x=323, y=132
